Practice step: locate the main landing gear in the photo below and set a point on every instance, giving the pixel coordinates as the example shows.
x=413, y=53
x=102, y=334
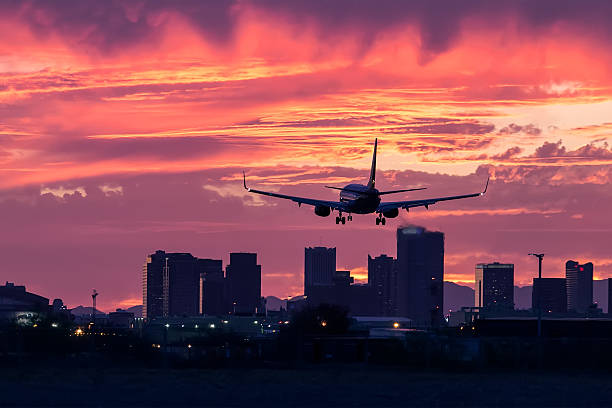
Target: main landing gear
x=380, y=220
x=343, y=220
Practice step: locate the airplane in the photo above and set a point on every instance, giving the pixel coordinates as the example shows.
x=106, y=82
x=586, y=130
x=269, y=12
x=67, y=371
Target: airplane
x=363, y=199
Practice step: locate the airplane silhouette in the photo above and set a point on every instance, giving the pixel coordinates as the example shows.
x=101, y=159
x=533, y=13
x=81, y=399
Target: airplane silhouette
x=363, y=199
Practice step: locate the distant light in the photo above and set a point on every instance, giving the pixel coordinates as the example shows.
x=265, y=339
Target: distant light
x=432, y=278
x=167, y=325
x=461, y=328
x=189, y=346
x=196, y=326
x=323, y=323
x=78, y=331
x=225, y=321
x=473, y=327
x=286, y=321
x=212, y=325
x=159, y=346
x=255, y=322
x=54, y=324
x=182, y=325
x=396, y=325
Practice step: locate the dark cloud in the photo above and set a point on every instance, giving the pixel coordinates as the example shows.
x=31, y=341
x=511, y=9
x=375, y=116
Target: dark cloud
x=109, y=26
x=443, y=126
x=508, y=154
x=530, y=129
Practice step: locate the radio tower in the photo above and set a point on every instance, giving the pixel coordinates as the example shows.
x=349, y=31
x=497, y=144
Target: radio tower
x=94, y=295
x=539, y=306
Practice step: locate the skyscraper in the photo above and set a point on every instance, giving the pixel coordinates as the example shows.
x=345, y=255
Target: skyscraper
x=550, y=294
x=382, y=278
x=420, y=275
x=212, y=287
x=579, y=281
x=610, y=296
x=494, y=286
x=170, y=285
x=244, y=283
x=319, y=267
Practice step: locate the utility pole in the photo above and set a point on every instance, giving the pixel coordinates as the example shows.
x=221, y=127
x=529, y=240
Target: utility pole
x=539, y=305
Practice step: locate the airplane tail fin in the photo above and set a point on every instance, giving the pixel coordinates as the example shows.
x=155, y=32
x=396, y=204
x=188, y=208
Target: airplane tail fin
x=372, y=180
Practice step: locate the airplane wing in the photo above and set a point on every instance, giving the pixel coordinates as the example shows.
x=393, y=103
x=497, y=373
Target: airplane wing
x=425, y=202
x=336, y=205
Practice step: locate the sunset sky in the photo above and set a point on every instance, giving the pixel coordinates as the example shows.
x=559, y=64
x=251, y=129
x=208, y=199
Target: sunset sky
x=125, y=127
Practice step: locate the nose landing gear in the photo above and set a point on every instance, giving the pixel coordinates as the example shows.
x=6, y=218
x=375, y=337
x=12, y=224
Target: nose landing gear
x=341, y=219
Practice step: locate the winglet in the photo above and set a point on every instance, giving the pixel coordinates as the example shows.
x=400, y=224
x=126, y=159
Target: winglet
x=372, y=180
x=244, y=181
x=486, y=186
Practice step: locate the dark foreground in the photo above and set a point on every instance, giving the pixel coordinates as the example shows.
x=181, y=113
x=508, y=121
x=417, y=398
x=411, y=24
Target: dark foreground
x=343, y=385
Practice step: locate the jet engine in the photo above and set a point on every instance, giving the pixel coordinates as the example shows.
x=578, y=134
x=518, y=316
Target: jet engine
x=322, y=211
x=391, y=213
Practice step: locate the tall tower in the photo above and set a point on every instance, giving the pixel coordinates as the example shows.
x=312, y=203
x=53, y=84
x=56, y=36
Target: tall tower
x=382, y=278
x=170, y=285
x=319, y=267
x=579, y=281
x=244, y=283
x=494, y=286
x=420, y=274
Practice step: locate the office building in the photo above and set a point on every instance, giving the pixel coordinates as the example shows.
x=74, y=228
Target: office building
x=610, y=296
x=420, y=275
x=356, y=299
x=244, y=284
x=494, y=286
x=382, y=277
x=319, y=267
x=213, y=288
x=579, y=282
x=549, y=294
x=170, y=285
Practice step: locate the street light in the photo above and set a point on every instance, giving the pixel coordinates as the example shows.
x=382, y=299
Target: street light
x=539, y=305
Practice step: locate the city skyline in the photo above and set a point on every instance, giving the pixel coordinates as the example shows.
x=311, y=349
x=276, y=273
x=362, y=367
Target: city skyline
x=125, y=129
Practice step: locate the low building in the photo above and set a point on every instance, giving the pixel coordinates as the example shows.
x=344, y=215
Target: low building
x=24, y=308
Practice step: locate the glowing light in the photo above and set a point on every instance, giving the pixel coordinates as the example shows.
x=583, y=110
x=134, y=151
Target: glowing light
x=167, y=325
x=396, y=325
x=323, y=323
x=189, y=346
x=196, y=326
x=78, y=331
x=225, y=321
x=54, y=325
x=212, y=325
x=255, y=322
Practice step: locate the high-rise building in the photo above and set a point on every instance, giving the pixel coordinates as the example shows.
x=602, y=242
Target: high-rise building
x=212, y=287
x=170, y=285
x=382, y=278
x=579, y=281
x=319, y=267
x=244, y=283
x=420, y=275
x=610, y=296
x=494, y=286
x=550, y=294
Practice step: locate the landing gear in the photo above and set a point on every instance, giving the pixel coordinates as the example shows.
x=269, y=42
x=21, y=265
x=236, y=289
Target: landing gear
x=349, y=218
x=381, y=220
x=342, y=219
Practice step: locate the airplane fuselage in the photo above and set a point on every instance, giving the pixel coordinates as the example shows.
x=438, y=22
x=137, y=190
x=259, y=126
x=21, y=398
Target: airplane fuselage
x=360, y=199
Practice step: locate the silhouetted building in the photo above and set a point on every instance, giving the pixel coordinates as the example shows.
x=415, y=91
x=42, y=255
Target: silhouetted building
x=20, y=306
x=550, y=294
x=420, y=275
x=170, y=285
x=213, y=287
x=494, y=286
x=319, y=267
x=579, y=281
x=121, y=319
x=382, y=277
x=244, y=283
x=357, y=299
x=610, y=296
